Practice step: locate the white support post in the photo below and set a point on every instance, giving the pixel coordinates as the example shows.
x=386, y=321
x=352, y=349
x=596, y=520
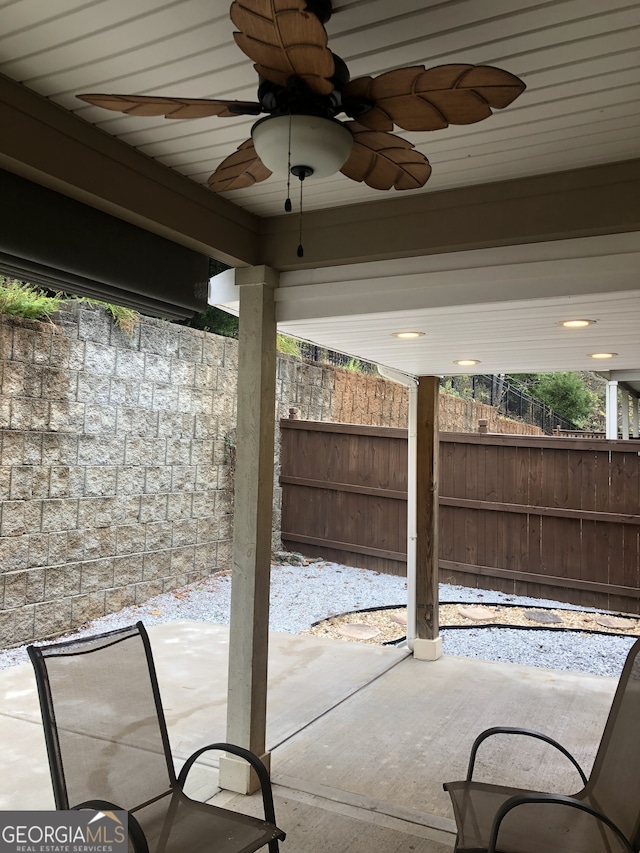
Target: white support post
x=635, y=402
x=612, y=409
x=249, y=622
x=624, y=402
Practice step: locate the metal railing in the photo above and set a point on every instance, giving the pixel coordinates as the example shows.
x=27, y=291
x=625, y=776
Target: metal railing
x=508, y=399
x=321, y=355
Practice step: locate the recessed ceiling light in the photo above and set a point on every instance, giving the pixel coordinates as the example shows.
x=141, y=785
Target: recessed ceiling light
x=602, y=354
x=466, y=362
x=577, y=324
x=405, y=336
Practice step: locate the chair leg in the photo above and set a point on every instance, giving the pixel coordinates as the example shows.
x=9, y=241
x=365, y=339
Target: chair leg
x=274, y=847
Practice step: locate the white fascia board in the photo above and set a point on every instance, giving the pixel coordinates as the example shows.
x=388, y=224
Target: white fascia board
x=624, y=375
x=458, y=287
x=223, y=292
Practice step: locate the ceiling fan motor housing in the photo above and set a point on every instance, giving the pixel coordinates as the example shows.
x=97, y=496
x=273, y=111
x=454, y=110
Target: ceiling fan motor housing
x=297, y=97
x=321, y=9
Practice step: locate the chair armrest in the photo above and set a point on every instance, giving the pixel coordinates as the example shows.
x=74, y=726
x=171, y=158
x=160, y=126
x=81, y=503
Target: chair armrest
x=552, y=799
x=136, y=835
x=509, y=730
x=254, y=761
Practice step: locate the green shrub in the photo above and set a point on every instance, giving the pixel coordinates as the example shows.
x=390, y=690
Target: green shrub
x=569, y=394
x=24, y=300
x=287, y=345
x=214, y=320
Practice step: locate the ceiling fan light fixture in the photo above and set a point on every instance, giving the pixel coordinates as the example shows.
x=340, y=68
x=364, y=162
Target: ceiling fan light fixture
x=322, y=145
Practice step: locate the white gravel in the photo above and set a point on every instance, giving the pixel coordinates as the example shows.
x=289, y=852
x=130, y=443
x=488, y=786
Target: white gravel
x=304, y=593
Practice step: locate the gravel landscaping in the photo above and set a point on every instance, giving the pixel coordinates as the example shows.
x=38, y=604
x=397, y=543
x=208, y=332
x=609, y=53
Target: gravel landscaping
x=304, y=592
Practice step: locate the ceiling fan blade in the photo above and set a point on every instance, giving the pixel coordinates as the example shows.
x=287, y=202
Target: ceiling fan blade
x=241, y=169
x=383, y=160
x=183, y=108
x=284, y=39
x=431, y=99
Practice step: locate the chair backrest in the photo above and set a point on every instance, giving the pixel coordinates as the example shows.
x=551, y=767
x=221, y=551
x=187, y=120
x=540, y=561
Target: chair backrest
x=615, y=779
x=104, y=726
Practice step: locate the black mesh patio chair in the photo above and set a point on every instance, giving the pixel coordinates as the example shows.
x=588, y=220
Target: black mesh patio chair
x=108, y=747
x=603, y=816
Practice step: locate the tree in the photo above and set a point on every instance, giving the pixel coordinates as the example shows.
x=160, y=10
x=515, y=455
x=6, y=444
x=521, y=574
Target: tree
x=565, y=393
x=214, y=319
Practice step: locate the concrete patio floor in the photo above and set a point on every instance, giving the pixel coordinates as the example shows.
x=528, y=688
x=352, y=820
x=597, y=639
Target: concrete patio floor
x=362, y=737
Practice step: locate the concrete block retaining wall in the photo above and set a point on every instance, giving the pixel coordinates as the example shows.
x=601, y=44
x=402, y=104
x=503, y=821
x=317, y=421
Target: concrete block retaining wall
x=114, y=475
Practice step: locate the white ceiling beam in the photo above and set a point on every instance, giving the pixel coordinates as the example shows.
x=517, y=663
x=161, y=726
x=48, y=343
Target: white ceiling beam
x=461, y=279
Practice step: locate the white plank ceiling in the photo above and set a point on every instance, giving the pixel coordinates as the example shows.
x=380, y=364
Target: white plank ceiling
x=578, y=58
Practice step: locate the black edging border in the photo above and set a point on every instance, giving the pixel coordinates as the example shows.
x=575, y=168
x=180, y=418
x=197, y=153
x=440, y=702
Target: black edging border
x=400, y=640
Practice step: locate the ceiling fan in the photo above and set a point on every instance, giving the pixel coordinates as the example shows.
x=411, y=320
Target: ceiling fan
x=303, y=86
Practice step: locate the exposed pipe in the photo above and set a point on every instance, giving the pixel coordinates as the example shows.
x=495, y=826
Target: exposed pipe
x=612, y=409
x=411, y=384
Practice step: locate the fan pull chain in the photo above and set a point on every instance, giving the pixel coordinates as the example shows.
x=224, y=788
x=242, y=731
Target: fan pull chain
x=300, y=247
x=301, y=172
x=287, y=204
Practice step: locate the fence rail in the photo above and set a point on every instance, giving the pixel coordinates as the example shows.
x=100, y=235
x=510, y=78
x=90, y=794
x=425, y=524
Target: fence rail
x=532, y=515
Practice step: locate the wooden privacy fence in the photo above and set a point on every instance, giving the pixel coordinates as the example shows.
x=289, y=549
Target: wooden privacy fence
x=547, y=517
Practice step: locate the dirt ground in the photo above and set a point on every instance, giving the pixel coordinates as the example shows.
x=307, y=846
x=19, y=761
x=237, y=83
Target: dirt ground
x=384, y=626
